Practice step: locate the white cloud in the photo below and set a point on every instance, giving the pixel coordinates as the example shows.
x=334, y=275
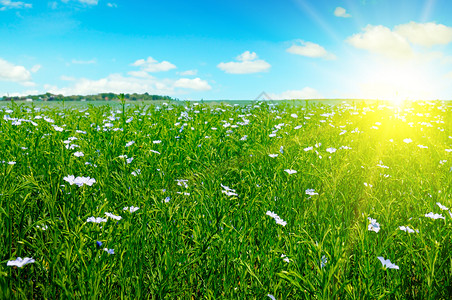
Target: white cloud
x=83, y=62
x=151, y=65
x=7, y=4
x=305, y=93
x=10, y=72
x=89, y=2
x=425, y=34
x=310, y=49
x=195, y=84
x=112, y=5
x=341, y=12
x=188, y=73
x=381, y=40
x=247, y=63
x=114, y=83
x=35, y=68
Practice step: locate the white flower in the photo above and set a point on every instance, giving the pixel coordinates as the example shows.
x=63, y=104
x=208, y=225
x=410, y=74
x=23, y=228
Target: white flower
x=407, y=229
x=131, y=209
x=308, y=148
x=57, y=128
x=331, y=150
x=311, y=192
x=110, y=215
x=298, y=127
x=130, y=143
x=387, y=263
x=109, y=251
x=156, y=142
x=19, y=262
x=373, y=226
x=153, y=151
x=129, y=160
x=294, y=116
x=273, y=155
x=285, y=258
x=434, y=216
x=277, y=219
x=136, y=172
x=79, y=154
x=70, y=179
x=271, y=297
x=290, y=171
x=442, y=206
x=80, y=181
x=407, y=141
x=96, y=220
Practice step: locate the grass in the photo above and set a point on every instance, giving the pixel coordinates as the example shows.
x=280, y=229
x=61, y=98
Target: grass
x=191, y=240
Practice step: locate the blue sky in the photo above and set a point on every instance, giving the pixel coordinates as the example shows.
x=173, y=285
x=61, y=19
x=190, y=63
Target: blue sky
x=228, y=49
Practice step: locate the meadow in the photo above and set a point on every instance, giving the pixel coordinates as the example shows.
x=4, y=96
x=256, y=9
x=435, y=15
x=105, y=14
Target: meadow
x=226, y=201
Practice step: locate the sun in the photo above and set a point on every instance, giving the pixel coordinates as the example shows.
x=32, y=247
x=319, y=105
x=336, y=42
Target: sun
x=397, y=82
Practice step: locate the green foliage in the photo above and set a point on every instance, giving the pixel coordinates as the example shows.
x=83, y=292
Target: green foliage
x=190, y=239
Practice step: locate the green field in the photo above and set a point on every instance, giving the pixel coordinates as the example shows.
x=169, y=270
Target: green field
x=290, y=200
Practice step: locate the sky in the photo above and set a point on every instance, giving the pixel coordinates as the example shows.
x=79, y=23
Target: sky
x=228, y=49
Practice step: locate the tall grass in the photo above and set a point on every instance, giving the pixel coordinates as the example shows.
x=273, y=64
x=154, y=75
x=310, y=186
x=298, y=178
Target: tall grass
x=189, y=238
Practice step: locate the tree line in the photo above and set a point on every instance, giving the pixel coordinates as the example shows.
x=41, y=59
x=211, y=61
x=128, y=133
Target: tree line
x=98, y=97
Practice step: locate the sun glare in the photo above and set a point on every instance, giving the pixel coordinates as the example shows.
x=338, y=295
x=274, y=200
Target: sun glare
x=397, y=82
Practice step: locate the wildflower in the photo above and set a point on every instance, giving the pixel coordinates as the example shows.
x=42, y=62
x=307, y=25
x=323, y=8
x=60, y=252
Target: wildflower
x=407, y=141
x=331, y=150
x=298, y=127
x=167, y=199
x=131, y=209
x=442, y=206
x=110, y=215
x=80, y=181
x=311, y=192
x=109, y=251
x=277, y=219
x=422, y=146
x=136, y=172
x=42, y=227
x=285, y=258
x=434, y=216
x=272, y=135
x=57, y=128
x=99, y=244
x=273, y=155
x=130, y=143
x=271, y=297
x=308, y=149
x=79, y=154
x=156, y=142
x=387, y=263
x=368, y=184
x=281, y=150
x=373, y=226
x=129, y=160
x=290, y=171
x=407, y=229
x=294, y=116
x=70, y=179
x=323, y=261
x=19, y=262
x=96, y=220
x=11, y=163
x=243, y=138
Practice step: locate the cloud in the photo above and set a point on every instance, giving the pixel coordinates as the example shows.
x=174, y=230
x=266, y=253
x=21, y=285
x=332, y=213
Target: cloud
x=247, y=63
x=310, y=50
x=35, y=68
x=115, y=83
x=305, y=93
x=188, y=73
x=7, y=4
x=341, y=12
x=195, y=84
x=89, y=2
x=381, y=40
x=83, y=62
x=151, y=65
x=112, y=5
x=425, y=34
x=11, y=72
